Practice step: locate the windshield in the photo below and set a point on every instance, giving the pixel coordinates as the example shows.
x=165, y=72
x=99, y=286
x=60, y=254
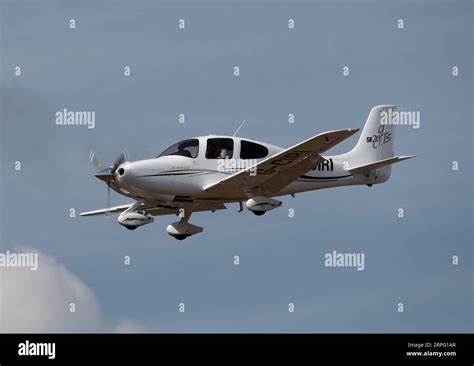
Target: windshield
x=187, y=148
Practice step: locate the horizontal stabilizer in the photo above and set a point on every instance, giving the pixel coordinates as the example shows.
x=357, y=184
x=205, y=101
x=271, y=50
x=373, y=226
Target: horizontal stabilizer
x=378, y=164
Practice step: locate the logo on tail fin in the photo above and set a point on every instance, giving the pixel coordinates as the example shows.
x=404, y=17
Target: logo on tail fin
x=380, y=139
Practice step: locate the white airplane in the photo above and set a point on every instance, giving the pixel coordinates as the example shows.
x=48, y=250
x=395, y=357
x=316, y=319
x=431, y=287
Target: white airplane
x=204, y=173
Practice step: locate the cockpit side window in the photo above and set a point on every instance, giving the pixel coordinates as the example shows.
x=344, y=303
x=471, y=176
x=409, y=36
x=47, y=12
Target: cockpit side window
x=219, y=148
x=251, y=150
x=187, y=148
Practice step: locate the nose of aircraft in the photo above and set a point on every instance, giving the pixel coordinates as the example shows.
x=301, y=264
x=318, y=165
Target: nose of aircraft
x=127, y=178
x=123, y=172
x=133, y=178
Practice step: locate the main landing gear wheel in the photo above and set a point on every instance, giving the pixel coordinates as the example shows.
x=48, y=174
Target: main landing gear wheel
x=258, y=213
x=131, y=227
x=181, y=229
x=180, y=237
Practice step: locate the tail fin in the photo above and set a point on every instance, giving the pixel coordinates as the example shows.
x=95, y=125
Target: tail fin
x=376, y=141
x=373, y=153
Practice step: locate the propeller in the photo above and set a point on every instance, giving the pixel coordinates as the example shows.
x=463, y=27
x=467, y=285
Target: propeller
x=109, y=204
x=107, y=174
x=122, y=158
x=93, y=159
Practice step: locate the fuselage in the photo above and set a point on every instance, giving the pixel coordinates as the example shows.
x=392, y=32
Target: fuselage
x=183, y=174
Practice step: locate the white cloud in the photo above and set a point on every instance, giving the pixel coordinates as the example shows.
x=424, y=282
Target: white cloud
x=129, y=326
x=39, y=301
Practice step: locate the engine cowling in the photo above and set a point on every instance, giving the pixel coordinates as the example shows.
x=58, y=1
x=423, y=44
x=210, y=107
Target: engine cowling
x=262, y=204
x=134, y=219
x=181, y=230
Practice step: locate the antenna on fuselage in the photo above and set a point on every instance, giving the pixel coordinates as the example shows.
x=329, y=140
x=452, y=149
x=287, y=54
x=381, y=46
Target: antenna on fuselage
x=238, y=129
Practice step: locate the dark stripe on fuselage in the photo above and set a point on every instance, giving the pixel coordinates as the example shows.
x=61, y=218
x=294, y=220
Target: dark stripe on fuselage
x=185, y=172
x=322, y=178
x=172, y=173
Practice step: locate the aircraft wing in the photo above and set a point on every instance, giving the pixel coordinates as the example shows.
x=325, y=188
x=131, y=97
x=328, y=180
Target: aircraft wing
x=158, y=210
x=192, y=207
x=277, y=171
x=107, y=210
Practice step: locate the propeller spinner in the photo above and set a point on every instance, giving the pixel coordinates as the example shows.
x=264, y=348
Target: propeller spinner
x=107, y=174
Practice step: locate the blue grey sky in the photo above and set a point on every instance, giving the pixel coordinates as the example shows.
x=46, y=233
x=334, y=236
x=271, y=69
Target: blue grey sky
x=283, y=71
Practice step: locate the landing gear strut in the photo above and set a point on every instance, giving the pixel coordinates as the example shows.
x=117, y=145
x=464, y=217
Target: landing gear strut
x=180, y=230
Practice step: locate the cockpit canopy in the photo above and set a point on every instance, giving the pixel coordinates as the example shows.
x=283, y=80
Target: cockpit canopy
x=188, y=148
x=218, y=148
